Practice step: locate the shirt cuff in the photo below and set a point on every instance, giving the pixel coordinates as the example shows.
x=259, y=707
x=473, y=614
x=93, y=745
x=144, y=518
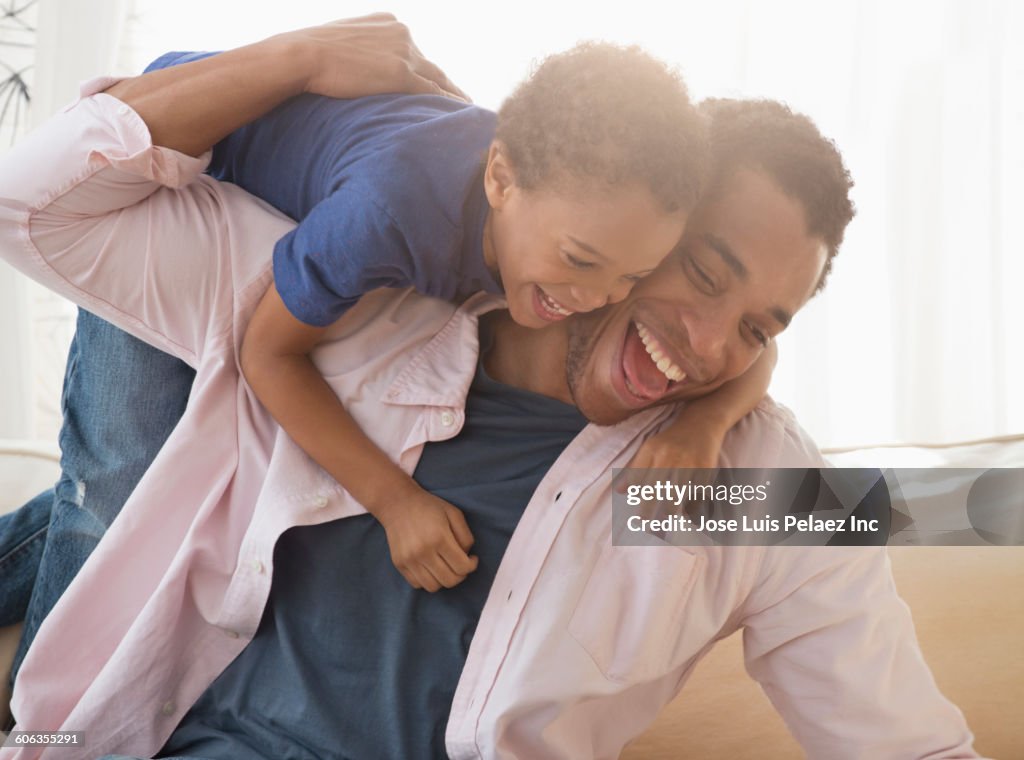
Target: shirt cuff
x=134, y=152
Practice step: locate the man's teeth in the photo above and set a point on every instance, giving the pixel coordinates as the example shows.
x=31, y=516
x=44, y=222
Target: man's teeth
x=552, y=305
x=665, y=365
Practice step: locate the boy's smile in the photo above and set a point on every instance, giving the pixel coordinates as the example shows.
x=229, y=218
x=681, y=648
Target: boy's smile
x=548, y=308
x=568, y=247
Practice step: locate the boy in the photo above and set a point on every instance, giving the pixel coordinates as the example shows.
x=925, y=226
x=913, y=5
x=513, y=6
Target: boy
x=591, y=169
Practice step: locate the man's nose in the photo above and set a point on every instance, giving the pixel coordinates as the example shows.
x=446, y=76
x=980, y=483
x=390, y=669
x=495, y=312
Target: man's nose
x=708, y=335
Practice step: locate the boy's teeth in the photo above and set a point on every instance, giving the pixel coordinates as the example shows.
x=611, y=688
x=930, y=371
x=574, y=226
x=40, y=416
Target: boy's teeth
x=664, y=364
x=554, y=306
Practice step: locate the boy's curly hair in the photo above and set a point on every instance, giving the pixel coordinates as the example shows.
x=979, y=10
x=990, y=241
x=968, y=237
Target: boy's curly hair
x=606, y=114
x=768, y=136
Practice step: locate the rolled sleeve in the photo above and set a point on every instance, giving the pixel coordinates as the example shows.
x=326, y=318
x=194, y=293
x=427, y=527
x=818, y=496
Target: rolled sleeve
x=91, y=209
x=833, y=646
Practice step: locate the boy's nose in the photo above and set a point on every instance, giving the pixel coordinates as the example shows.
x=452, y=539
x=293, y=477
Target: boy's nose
x=620, y=291
x=589, y=299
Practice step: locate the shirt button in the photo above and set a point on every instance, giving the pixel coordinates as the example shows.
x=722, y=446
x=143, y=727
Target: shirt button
x=257, y=566
x=447, y=419
x=231, y=634
x=168, y=708
x=320, y=501
x=123, y=110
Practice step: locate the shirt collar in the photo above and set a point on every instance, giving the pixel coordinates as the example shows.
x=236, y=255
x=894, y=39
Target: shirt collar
x=440, y=373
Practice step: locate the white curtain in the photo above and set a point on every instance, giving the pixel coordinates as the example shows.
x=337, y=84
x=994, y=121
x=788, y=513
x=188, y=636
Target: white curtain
x=17, y=54
x=73, y=40
x=915, y=339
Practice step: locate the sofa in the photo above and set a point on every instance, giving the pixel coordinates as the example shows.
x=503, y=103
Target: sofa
x=967, y=604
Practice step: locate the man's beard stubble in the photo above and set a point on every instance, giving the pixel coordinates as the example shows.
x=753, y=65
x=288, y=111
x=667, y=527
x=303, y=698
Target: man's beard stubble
x=581, y=342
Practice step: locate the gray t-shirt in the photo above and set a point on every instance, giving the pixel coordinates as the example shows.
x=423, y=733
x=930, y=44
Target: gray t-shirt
x=350, y=661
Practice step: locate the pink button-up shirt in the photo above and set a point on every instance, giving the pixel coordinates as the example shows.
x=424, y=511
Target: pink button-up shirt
x=580, y=642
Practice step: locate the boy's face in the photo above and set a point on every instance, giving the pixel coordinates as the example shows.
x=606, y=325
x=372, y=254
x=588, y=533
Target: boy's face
x=568, y=250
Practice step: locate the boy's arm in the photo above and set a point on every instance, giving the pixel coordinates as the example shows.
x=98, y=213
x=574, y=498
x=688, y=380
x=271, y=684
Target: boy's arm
x=428, y=538
x=694, y=438
x=192, y=106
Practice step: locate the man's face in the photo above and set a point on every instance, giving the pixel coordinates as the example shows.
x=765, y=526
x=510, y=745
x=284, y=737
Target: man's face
x=745, y=265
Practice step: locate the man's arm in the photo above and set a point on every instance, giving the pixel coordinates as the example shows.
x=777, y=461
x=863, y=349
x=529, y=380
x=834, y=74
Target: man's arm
x=92, y=210
x=833, y=647
x=192, y=106
x=828, y=638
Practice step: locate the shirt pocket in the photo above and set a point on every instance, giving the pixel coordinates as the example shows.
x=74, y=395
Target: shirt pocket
x=631, y=616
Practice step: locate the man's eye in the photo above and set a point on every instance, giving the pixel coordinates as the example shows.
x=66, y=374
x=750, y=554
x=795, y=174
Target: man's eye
x=577, y=262
x=700, y=277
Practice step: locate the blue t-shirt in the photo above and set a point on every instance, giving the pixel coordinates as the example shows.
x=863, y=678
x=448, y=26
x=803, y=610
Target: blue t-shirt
x=349, y=661
x=388, y=192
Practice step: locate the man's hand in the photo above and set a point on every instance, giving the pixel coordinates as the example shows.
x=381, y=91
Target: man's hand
x=429, y=542
x=366, y=56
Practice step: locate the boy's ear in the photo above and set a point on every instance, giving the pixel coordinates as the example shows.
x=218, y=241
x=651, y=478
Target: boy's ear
x=499, y=176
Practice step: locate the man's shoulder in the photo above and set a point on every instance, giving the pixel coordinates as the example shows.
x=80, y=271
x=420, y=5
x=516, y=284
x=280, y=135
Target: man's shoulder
x=770, y=436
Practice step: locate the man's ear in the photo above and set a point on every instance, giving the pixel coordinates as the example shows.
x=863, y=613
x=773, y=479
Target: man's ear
x=499, y=176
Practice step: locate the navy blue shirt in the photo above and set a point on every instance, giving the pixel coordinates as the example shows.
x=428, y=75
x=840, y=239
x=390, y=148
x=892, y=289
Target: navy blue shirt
x=388, y=192
x=349, y=661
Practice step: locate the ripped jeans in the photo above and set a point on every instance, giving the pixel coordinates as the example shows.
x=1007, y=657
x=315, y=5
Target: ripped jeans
x=120, y=401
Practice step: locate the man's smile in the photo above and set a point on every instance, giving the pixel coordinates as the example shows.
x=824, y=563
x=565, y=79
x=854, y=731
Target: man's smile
x=648, y=367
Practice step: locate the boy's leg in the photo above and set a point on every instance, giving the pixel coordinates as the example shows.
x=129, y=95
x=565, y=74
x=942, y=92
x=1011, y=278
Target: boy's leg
x=121, y=400
x=22, y=536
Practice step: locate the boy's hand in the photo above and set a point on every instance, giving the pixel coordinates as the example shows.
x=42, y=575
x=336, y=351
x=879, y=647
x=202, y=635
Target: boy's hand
x=693, y=441
x=691, y=450
x=681, y=446
x=429, y=542
x=366, y=56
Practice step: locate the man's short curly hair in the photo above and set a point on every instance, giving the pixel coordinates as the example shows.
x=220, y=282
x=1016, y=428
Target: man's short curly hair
x=767, y=135
x=606, y=114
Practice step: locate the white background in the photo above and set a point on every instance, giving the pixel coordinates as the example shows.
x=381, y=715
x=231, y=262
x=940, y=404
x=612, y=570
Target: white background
x=917, y=336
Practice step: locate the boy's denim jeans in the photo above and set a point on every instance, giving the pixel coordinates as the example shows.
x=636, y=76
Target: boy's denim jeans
x=121, y=399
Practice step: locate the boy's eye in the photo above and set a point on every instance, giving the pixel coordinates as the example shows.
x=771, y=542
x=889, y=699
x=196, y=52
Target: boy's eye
x=759, y=336
x=576, y=262
x=633, y=277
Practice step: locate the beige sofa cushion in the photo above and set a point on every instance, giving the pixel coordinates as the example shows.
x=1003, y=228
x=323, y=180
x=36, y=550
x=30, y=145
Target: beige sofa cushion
x=968, y=608
x=969, y=613
x=967, y=603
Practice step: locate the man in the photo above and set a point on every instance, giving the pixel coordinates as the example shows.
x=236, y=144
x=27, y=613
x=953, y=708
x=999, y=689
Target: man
x=572, y=644
x=122, y=397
